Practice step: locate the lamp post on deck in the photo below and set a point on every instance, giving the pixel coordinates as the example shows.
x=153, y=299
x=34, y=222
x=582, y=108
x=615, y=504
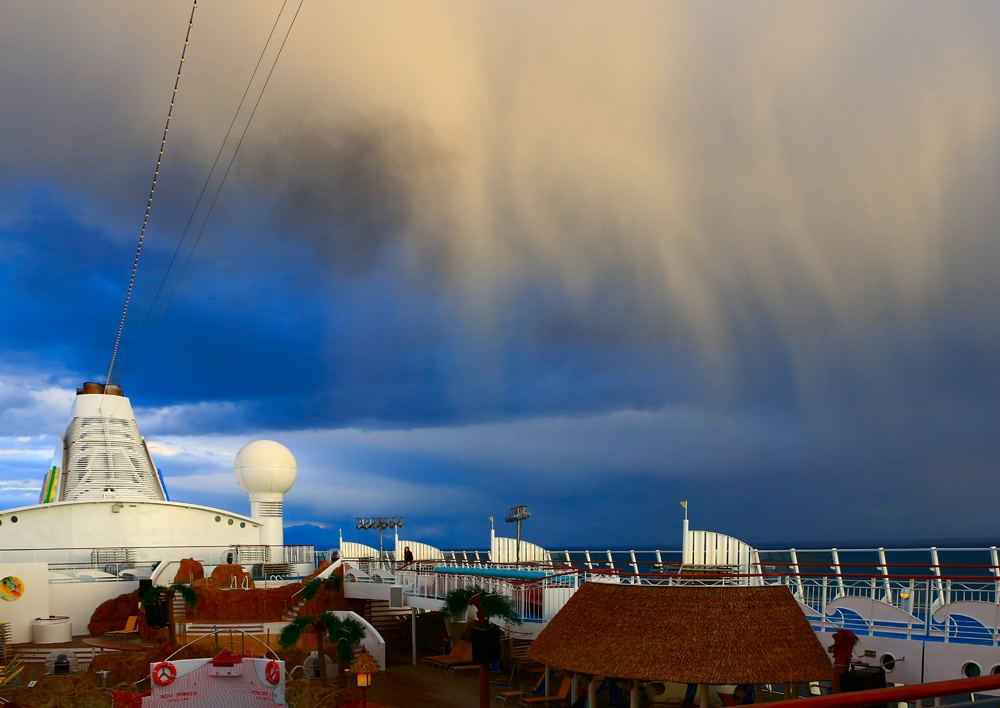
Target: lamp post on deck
x=517, y=514
x=381, y=523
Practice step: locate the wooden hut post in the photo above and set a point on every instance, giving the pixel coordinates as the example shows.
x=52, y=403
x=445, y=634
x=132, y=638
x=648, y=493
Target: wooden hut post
x=758, y=693
x=573, y=690
x=592, y=693
x=703, y=695
x=546, y=684
x=633, y=698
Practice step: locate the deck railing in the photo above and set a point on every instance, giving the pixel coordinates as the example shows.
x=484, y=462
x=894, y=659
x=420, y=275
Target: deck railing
x=901, y=606
x=69, y=565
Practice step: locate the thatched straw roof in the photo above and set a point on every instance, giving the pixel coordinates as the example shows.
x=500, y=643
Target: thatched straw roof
x=364, y=664
x=721, y=635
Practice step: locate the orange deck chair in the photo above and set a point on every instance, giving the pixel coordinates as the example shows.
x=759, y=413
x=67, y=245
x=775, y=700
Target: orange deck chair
x=561, y=696
x=463, y=657
x=130, y=628
x=517, y=694
x=455, y=653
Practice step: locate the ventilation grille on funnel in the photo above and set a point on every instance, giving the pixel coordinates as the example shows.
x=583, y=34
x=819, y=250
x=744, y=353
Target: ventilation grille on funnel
x=106, y=459
x=269, y=508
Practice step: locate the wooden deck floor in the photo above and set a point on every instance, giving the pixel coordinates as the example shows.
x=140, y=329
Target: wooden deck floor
x=402, y=685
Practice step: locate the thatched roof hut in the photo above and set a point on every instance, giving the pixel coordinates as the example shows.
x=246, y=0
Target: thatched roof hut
x=716, y=635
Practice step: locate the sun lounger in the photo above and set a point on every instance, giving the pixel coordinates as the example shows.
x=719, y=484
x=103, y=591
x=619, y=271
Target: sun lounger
x=455, y=652
x=461, y=667
x=130, y=628
x=527, y=699
x=464, y=657
x=504, y=695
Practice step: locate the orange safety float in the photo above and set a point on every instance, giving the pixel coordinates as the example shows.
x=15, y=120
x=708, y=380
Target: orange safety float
x=164, y=673
x=272, y=672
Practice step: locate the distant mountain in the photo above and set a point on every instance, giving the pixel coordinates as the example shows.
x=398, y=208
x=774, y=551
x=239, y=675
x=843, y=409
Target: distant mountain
x=306, y=534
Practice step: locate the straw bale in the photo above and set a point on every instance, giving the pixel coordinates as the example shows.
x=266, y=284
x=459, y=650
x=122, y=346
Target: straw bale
x=720, y=635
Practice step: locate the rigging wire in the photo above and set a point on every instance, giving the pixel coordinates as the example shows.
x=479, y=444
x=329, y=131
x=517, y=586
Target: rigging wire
x=204, y=187
x=152, y=190
x=232, y=160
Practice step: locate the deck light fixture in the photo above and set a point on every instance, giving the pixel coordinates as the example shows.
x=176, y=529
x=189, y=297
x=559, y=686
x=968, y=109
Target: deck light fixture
x=363, y=667
x=517, y=514
x=380, y=524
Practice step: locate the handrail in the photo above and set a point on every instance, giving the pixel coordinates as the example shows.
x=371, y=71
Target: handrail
x=897, y=694
x=230, y=630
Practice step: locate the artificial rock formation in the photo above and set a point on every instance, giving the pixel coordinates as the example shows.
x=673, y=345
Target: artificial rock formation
x=223, y=576
x=113, y=614
x=189, y=571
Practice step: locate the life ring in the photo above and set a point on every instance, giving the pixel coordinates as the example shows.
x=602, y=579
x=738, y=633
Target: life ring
x=164, y=673
x=272, y=673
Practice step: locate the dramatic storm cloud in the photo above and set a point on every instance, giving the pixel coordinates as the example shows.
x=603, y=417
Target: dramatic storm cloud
x=596, y=258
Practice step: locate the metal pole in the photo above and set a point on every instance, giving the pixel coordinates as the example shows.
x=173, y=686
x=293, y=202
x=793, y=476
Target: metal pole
x=517, y=557
x=413, y=633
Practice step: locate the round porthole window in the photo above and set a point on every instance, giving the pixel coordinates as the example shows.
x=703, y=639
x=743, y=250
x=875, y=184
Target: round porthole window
x=231, y=523
x=995, y=669
x=218, y=518
x=971, y=670
x=243, y=524
x=888, y=662
x=13, y=519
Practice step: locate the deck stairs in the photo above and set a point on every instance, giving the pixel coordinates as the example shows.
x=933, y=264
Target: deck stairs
x=294, y=610
x=383, y=617
x=515, y=651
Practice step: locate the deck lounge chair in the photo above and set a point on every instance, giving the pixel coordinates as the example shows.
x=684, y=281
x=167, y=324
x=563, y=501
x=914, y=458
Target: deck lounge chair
x=495, y=668
x=455, y=652
x=10, y=675
x=130, y=628
x=463, y=657
x=528, y=700
x=504, y=695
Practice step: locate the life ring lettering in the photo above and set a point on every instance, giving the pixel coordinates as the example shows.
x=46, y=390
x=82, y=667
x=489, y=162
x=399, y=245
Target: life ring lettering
x=164, y=673
x=272, y=672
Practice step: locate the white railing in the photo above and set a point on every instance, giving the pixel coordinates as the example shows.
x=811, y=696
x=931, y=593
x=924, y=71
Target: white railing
x=67, y=565
x=886, y=605
x=533, y=600
x=61, y=573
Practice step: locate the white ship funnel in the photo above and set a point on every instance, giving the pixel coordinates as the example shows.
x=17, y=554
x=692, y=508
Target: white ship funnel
x=265, y=470
x=104, y=456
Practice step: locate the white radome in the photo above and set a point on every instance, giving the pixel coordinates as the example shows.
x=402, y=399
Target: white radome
x=265, y=467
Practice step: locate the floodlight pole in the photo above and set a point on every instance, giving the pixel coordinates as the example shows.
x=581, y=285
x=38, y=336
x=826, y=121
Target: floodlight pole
x=517, y=553
x=381, y=523
x=517, y=514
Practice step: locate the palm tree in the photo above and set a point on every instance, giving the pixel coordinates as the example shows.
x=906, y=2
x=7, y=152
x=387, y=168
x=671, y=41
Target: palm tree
x=334, y=582
x=489, y=604
x=159, y=594
x=343, y=633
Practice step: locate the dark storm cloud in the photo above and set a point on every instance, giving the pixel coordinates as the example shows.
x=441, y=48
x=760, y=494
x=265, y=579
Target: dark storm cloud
x=353, y=189
x=778, y=220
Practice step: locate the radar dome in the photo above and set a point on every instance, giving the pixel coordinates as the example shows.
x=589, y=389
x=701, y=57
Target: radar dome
x=265, y=467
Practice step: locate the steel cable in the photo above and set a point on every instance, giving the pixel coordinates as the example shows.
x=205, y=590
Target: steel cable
x=204, y=187
x=152, y=190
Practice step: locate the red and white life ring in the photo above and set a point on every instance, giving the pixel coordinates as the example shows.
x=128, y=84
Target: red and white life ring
x=164, y=673
x=272, y=673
